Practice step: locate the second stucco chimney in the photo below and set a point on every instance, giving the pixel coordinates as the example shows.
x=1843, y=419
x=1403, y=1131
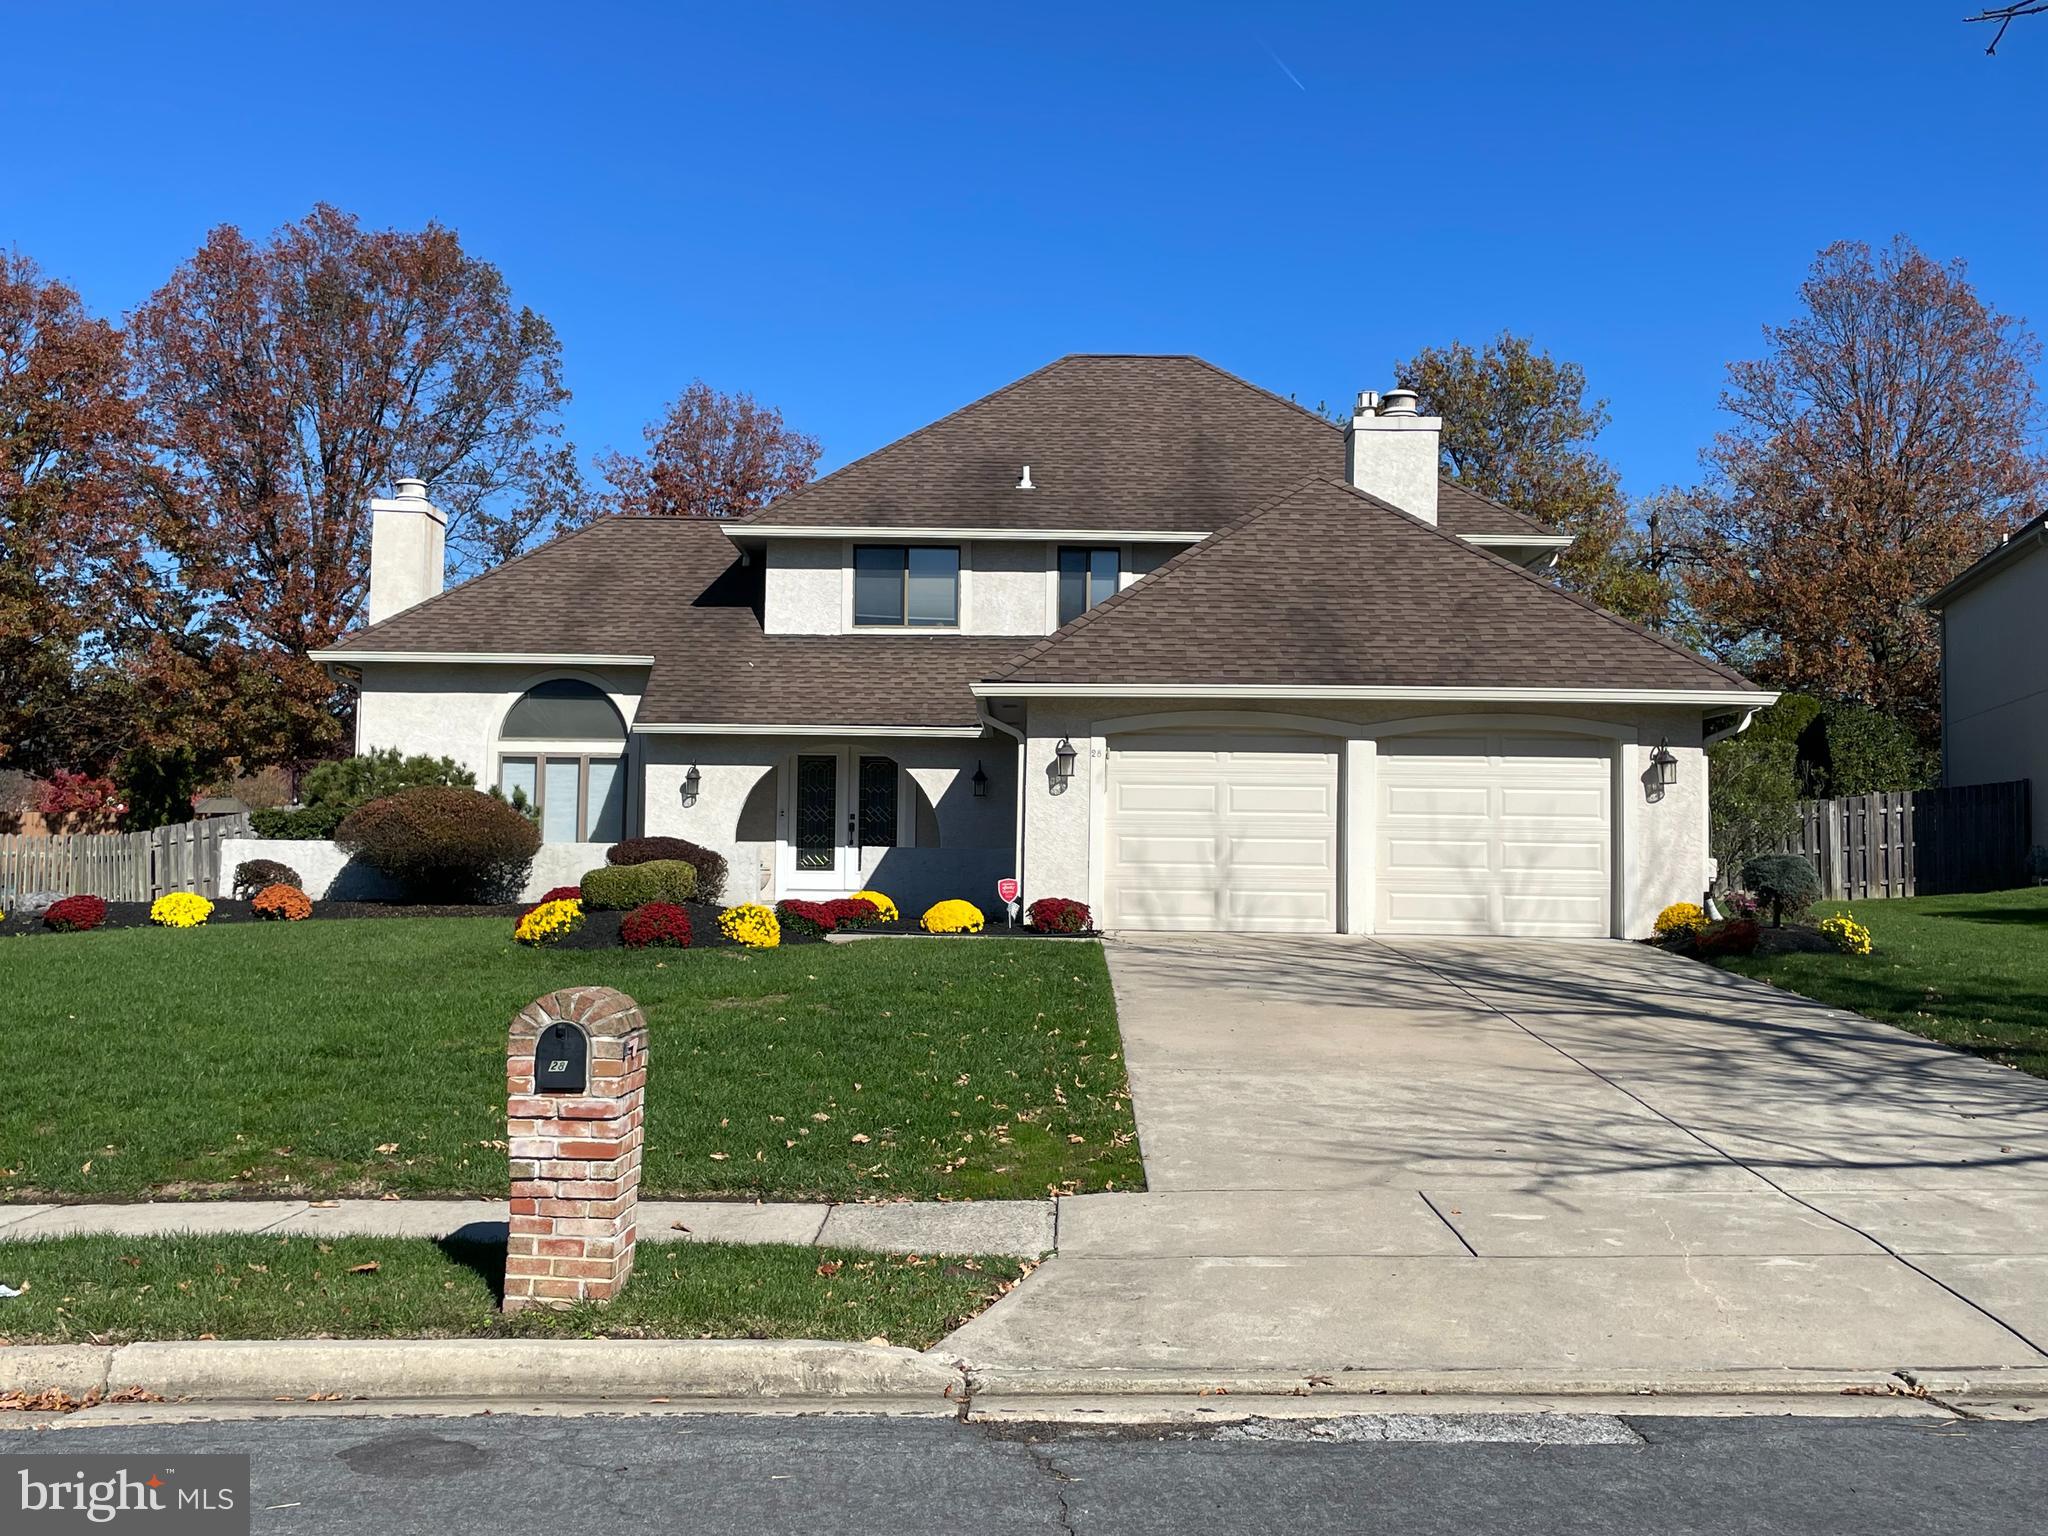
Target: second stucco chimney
x=1390, y=451
x=408, y=547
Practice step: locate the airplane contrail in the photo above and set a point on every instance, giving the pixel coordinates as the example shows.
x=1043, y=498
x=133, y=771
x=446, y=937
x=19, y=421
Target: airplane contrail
x=1290, y=74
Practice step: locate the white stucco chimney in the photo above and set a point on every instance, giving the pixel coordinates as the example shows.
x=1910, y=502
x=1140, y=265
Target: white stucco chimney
x=408, y=544
x=1391, y=452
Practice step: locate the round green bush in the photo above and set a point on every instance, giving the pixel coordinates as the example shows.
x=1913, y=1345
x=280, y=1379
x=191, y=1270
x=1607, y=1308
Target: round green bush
x=1784, y=882
x=710, y=866
x=252, y=875
x=621, y=887
x=443, y=844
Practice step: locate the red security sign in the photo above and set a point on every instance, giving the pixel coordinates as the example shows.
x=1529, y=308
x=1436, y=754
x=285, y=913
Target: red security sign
x=1007, y=889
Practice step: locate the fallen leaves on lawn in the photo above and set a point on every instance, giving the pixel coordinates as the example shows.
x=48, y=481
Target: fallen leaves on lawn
x=364, y=1269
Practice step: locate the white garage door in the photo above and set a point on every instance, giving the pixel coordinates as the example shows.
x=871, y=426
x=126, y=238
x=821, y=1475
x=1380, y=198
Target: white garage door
x=1494, y=834
x=1222, y=831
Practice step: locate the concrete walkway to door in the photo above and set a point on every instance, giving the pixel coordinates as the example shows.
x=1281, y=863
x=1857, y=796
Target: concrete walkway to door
x=1563, y=1158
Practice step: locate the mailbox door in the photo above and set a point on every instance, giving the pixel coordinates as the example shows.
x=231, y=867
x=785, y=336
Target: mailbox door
x=561, y=1060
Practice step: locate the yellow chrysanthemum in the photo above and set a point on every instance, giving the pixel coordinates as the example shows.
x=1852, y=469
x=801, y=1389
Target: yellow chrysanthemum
x=953, y=917
x=180, y=909
x=1681, y=917
x=882, y=904
x=549, y=921
x=751, y=924
x=1849, y=936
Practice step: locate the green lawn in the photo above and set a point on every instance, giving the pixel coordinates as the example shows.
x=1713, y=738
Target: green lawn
x=361, y=1057
x=109, y=1290
x=1969, y=971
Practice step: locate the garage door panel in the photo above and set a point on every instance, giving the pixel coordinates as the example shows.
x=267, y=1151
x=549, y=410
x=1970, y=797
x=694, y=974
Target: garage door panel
x=1531, y=853
x=1229, y=831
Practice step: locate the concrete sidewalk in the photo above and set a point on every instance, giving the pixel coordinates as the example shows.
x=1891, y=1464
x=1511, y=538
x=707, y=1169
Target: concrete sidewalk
x=1020, y=1228
x=1570, y=1159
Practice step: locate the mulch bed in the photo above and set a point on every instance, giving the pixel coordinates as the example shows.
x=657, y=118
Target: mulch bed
x=1794, y=939
x=135, y=914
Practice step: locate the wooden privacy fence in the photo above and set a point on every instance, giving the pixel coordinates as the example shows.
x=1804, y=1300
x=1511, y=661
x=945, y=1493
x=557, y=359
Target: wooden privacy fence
x=1917, y=842
x=121, y=866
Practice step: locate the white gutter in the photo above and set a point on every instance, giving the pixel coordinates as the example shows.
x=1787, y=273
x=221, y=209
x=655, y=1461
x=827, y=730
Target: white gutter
x=1745, y=699
x=1714, y=738
x=1017, y=836
x=741, y=728
x=1517, y=540
x=484, y=658
x=738, y=531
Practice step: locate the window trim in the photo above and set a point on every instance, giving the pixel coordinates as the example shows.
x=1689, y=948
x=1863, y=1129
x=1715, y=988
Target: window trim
x=1125, y=576
x=1060, y=552
x=540, y=758
x=962, y=586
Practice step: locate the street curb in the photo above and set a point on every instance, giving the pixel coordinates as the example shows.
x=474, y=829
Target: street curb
x=995, y=1383
x=589, y=1369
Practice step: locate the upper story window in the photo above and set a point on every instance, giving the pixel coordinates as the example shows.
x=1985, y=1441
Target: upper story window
x=906, y=586
x=1087, y=576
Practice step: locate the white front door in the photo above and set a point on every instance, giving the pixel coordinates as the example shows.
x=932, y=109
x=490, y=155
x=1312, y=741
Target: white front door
x=842, y=809
x=1495, y=834
x=1225, y=830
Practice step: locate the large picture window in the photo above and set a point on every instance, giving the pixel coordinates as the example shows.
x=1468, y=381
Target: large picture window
x=564, y=745
x=906, y=586
x=1087, y=576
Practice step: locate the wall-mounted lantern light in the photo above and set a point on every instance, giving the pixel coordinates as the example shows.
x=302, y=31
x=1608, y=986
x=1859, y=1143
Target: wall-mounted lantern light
x=692, y=782
x=980, y=783
x=1063, y=757
x=1666, y=765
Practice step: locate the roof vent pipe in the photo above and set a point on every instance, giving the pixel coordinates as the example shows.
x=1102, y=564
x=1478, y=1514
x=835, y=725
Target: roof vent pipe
x=1399, y=402
x=1024, y=480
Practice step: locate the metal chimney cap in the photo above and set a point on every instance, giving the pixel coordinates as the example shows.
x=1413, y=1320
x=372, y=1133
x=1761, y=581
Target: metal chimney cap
x=1399, y=402
x=411, y=486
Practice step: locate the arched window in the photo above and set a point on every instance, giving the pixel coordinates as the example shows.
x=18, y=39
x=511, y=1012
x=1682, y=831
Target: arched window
x=564, y=757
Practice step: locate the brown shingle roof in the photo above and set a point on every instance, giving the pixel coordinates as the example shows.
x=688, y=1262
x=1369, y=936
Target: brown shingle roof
x=673, y=588
x=1327, y=587
x=1133, y=443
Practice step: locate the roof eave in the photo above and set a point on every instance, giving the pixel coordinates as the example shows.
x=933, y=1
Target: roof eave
x=741, y=533
x=345, y=657
x=1755, y=698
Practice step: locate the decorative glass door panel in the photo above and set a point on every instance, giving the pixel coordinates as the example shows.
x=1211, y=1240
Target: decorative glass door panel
x=815, y=829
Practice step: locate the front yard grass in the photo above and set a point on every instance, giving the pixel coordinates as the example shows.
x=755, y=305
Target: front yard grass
x=1969, y=971
x=111, y=1290
x=360, y=1057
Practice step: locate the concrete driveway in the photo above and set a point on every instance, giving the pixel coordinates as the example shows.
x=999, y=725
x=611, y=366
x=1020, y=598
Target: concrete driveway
x=1570, y=1159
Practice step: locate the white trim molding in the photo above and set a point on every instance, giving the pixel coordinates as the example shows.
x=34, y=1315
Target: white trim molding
x=1517, y=540
x=484, y=658
x=892, y=534
x=694, y=728
x=1730, y=697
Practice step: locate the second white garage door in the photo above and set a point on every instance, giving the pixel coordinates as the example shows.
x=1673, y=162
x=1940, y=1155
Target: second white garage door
x=1221, y=831
x=1494, y=834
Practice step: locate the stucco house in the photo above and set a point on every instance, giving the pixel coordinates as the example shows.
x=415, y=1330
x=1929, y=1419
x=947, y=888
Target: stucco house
x=1131, y=628
x=1994, y=708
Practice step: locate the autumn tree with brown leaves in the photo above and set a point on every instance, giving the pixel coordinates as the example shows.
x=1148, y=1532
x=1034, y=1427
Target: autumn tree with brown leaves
x=281, y=385
x=1519, y=430
x=67, y=441
x=712, y=454
x=1883, y=442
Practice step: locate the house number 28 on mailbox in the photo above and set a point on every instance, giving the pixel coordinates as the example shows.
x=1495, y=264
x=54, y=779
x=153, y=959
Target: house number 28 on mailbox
x=561, y=1060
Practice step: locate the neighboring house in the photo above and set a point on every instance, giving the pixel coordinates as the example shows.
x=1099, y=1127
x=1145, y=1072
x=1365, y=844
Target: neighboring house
x=1132, y=628
x=1994, y=689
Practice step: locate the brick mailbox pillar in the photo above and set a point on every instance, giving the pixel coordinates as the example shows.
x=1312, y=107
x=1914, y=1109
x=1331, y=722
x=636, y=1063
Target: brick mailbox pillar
x=575, y=1075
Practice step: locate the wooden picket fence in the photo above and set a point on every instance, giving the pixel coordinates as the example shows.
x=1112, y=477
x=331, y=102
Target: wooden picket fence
x=121, y=866
x=1919, y=842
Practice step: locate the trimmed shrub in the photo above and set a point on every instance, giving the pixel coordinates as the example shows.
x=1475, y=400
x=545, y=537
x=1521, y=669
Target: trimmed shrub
x=1682, y=919
x=953, y=917
x=443, y=844
x=658, y=923
x=282, y=904
x=751, y=924
x=312, y=823
x=710, y=867
x=885, y=909
x=180, y=909
x=252, y=875
x=1784, y=882
x=621, y=887
x=75, y=914
x=549, y=921
x=1059, y=914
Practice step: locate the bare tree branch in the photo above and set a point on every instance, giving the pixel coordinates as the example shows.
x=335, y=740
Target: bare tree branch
x=2005, y=15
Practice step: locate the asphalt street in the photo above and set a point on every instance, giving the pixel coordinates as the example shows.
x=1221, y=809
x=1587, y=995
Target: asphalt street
x=706, y=1476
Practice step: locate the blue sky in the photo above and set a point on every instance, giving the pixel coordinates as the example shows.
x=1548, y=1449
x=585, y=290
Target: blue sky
x=869, y=214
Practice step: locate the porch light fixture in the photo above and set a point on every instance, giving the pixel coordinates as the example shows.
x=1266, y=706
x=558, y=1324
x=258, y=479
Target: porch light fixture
x=1063, y=757
x=980, y=783
x=1665, y=764
x=692, y=782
